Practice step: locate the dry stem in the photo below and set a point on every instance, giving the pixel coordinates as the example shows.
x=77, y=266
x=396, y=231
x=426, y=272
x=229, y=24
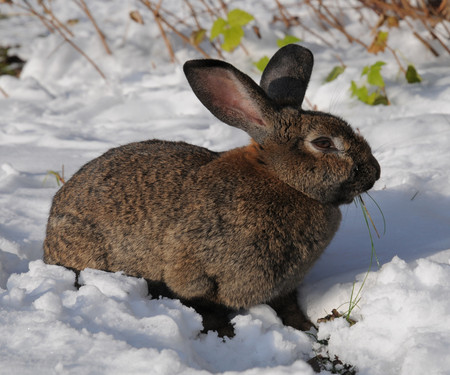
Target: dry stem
x=160, y=20
x=403, y=10
x=86, y=10
x=5, y=94
x=54, y=26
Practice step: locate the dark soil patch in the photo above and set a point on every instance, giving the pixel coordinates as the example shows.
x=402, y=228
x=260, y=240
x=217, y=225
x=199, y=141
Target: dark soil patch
x=10, y=64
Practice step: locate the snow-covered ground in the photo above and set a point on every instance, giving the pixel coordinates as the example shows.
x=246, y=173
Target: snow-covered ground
x=62, y=113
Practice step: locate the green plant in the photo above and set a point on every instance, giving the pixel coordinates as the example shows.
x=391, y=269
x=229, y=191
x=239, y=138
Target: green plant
x=374, y=94
x=335, y=72
x=411, y=75
x=231, y=28
x=288, y=39
x=355, y=298
x=379, y=43
x=263, y=61
x=59, y=177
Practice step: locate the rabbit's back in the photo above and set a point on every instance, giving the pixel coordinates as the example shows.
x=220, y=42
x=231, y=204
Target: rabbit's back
x=114, y=213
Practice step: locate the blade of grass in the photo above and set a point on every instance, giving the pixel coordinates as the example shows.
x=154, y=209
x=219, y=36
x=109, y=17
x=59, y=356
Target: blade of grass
x=381, y=212
x=354, y=300
x=367, y=215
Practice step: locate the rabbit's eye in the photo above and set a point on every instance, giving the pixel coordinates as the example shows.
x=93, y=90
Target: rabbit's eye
x=324, y=144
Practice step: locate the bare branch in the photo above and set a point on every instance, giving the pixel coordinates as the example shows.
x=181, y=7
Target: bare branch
x=84, y=7
x=52, y=27
x=5, y=94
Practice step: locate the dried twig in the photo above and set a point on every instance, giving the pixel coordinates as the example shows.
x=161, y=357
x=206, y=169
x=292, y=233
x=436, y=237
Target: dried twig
x=396, y=59
x=185, y=38
x=193, y=13
x=85, y=9
x=5, y=94
x=426, y=44
x=213, y=13
x=283, y=14
x=327, y=16
x=290, y=20
x=51, y=25
x=224, y=6
x=434, y=36
x=82, y=53
x=425, y=13
x=161, y=20
x=329, y=19
x=55, y=21
x=157, y=15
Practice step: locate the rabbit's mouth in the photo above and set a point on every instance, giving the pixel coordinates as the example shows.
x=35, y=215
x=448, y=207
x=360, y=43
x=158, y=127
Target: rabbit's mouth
x=348, y=198
x=364, y=180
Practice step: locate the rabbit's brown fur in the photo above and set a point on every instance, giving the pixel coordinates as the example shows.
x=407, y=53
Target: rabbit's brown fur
x=232, y=229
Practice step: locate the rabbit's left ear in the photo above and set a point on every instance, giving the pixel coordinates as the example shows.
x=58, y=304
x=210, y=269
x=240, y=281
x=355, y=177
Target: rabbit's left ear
x=232, y=96
x=287, y=74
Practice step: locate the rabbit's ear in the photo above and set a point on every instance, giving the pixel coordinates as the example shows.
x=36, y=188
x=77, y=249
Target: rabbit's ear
x=231, y=96
x=287, y=74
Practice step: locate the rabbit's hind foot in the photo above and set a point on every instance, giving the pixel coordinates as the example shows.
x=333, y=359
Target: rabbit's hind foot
x=289, y=311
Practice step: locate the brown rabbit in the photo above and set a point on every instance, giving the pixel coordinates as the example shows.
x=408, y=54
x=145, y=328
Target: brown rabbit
x=221, y=231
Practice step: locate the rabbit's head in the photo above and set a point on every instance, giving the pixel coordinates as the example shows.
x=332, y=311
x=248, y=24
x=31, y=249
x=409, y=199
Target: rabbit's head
x=313, y=152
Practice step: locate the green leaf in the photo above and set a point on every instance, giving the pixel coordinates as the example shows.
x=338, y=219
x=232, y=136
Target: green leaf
x=362, y=93
x=374, y=98
x=231, y=29
x=353, y=88
x=58, y=177
x=380, y=99
x=383, y=36
x=378, y=65
x=411, y=75
x=288, y=39
x=374, y=78
x=232, y=38
x=379, y=43
x=262, y=63
x=371, y=98
x=335, y=72
x=197, y=36
x=374, y=74
x=219, y=26
x=238, y=17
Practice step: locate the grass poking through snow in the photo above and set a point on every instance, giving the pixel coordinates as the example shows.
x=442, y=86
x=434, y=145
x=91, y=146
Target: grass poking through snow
x=355, y=298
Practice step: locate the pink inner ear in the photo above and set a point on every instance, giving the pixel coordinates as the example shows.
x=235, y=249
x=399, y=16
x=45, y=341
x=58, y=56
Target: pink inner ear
x=233, y=97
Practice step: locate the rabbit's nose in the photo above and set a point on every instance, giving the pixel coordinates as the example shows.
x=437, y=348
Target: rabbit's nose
x=372, y=171
x=376, y=166
x=368, y=173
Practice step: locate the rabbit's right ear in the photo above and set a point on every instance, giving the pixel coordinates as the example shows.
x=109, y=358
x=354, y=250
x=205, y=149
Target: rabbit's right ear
x=287, y=74
x=231, y=96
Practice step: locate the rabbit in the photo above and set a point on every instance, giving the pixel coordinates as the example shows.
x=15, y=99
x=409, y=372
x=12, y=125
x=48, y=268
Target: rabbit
x=221, y=231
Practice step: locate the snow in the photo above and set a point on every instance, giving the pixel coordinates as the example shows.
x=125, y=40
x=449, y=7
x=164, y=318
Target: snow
x=61, y=112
